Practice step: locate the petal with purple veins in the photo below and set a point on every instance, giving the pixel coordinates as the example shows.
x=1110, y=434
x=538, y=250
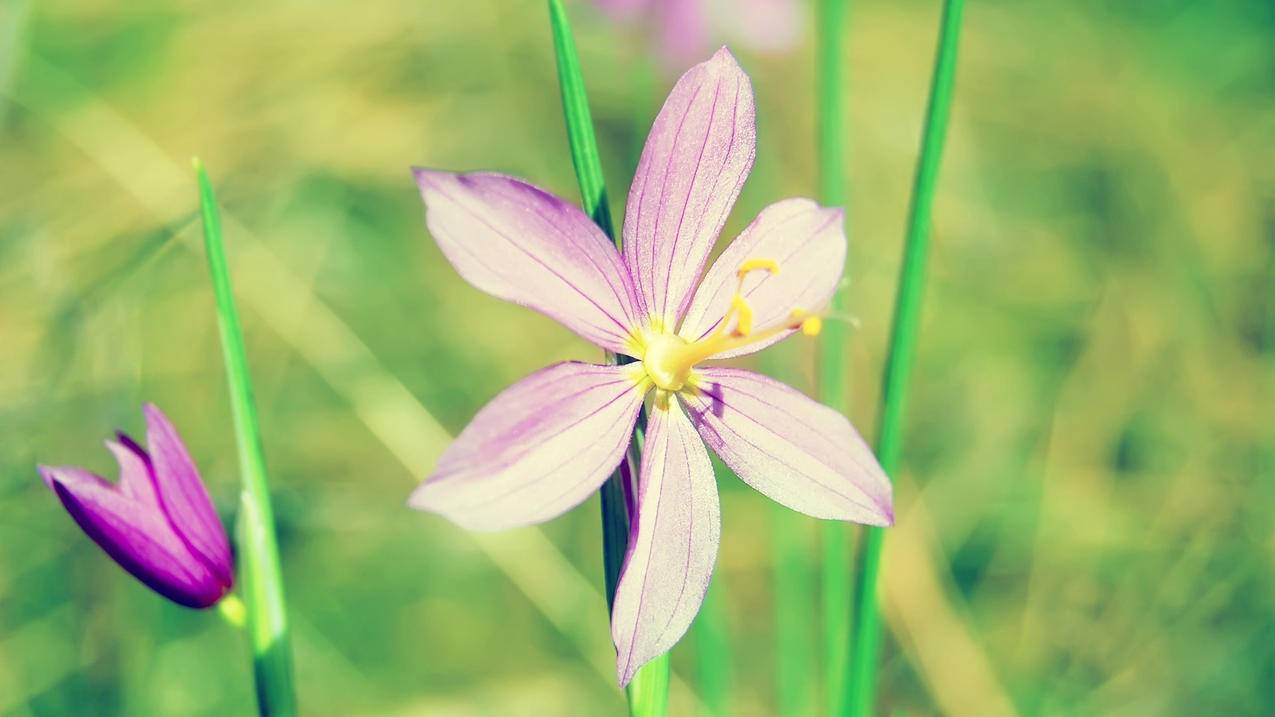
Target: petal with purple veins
x=697, y=156
x=536, y=450
x=183, y=496
x=522, y=244
x=672, y=543
x=808, y=242
x=797, y=452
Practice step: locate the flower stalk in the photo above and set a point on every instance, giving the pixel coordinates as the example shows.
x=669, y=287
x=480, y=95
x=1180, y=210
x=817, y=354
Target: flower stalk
x=261, y=576
x=834, y=364
x=648, y=691
x=866, y=632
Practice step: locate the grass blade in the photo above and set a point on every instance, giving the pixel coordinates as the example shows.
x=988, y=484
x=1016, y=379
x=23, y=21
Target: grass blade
x=648, y=691
x=834, y=364
x=866, y=634
x=261, y=576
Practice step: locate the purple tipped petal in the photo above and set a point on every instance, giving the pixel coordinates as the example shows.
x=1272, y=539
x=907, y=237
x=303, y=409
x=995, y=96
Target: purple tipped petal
x=184, y=497
x=809, y=244
x=137, y=536
x=520, y=243
x=536, y=450
x=697, y=156
x=672, y=543
x=137, y=479
x=795, y=451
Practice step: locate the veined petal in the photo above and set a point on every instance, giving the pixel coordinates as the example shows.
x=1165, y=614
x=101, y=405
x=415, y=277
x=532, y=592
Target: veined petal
x=697, y=156
x=672, y=543
x=136, y=535
x=523, y=244
x=797, y=452
x=183, y=496
x=808, y=242
x=536, y=450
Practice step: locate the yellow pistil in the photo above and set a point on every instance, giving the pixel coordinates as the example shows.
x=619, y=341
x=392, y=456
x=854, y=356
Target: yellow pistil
x=669, y=360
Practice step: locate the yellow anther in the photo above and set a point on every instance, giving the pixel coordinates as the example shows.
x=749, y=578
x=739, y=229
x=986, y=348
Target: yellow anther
x=812, y=326
x=744, y=312
x=768, y=265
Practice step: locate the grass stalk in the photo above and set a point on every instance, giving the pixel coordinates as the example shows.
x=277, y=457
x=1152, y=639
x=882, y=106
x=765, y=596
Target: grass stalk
x=866, y=632
x=834, y=359
x=648, y=691
x=261, y=576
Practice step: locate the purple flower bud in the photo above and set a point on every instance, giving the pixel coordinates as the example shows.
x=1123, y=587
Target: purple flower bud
x=157, y=521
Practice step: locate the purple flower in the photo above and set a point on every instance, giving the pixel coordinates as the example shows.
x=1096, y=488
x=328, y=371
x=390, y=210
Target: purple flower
x=684, y=29
x=548, y=442
x=157, y=521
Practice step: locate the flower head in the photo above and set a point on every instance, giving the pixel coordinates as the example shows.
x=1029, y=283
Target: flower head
x=157, y=521
x=548, y=442
x=684, y=29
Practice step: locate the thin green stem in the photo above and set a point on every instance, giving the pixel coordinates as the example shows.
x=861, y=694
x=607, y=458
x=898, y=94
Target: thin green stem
x=866, y=635
x=834, y=359
x=793, y=592
x=648, y=691
x=262, y=579
x=712, y=653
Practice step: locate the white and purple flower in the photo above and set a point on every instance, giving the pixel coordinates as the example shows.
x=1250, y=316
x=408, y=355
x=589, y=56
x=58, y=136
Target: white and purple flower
x=157, y=521
x=548, y=442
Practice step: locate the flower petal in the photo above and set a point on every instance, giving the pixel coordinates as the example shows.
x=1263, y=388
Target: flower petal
x=183, y=495
x=137, y=479
x=536, y=450
x=672, y=543
x=807, y=241
x=795, y=451
x=520, y=243
x=697, y=156
x=136, y=535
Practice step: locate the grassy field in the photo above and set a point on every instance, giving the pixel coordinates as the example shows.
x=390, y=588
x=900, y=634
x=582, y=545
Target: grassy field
x=1085, y=511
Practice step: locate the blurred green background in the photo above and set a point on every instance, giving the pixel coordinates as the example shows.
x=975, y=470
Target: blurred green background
x=1086, y=507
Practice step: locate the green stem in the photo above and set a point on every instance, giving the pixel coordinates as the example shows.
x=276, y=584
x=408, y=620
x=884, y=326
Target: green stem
x=866, y=635
x=793, y=591
x=712, y=653
x=648, y=691
x=834, y=363
x=261, y=575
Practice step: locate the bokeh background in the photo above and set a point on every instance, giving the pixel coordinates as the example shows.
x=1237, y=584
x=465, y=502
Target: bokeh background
x=1086, y=504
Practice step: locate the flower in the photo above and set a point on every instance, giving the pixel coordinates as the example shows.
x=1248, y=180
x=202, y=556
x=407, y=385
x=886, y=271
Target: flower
x=549, y=441
x=684, y=29
x=157, y=521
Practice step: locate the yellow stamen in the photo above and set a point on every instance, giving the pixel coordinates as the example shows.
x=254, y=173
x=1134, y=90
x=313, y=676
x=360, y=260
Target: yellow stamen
x=744, y=312
x=668, y=359
x=768, y=265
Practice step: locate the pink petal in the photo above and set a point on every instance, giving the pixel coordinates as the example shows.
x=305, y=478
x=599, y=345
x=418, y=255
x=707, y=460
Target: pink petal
x=682, y=30
x=536, y=450
x=621, y=9
x=136, y=535
x=672, y=543
x=183, y=495
x=766, y=25
x=697, y=156
x=808, y=242
x=137, y=479
x=520, y=243
x=797, y=452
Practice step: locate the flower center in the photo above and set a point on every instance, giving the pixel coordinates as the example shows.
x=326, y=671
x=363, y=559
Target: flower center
x=669, y=359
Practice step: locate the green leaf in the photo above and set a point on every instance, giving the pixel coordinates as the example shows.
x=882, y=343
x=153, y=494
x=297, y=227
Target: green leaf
x=260, y=575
